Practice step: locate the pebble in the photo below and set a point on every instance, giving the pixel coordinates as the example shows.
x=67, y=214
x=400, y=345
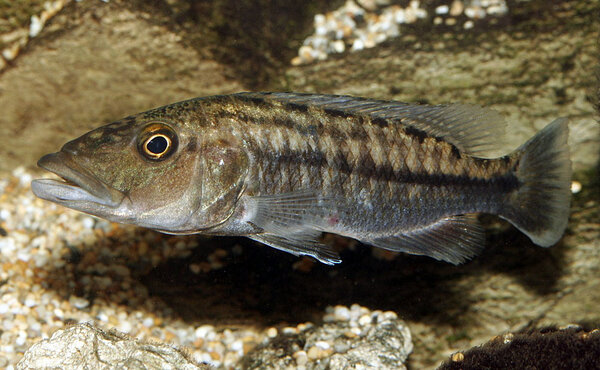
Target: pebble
x=575, y=187
x=353, y=27
x=271, y=332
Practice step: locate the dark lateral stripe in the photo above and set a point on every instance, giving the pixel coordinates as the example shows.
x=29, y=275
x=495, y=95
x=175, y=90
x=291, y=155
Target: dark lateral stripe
x=368, y=169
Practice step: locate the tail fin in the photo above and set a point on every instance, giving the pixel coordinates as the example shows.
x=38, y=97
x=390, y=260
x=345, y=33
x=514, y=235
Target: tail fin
x=540, y=207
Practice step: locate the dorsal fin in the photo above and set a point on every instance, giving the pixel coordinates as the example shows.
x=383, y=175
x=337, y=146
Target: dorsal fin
x=472, y=129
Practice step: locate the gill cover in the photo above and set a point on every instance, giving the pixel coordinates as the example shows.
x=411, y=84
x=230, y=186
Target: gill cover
x=224, y=168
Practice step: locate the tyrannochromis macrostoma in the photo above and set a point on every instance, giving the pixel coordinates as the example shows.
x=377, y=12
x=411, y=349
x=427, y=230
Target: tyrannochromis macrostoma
x=282, y=168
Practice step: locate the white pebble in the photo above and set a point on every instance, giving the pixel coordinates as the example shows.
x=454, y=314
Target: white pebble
x=575, y=187
x=204, y=331
x=475, y=12
x=364, y=320
x=30, y=301
x=322, y=345
x=4, y=214
x=21, y=339
x=301, y=358
x=338, y=46
x=358, y=45
x=497, y=10
x=88, y=222
x=79, y=302
x=442, y=9
x=342, y=313
x=456, y=8
x=271, y=332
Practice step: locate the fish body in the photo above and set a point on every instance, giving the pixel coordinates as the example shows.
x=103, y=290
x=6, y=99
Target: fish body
x=281, y=168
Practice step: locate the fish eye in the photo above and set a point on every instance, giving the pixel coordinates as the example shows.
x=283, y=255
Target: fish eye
x=157, y=142
x=157, y=145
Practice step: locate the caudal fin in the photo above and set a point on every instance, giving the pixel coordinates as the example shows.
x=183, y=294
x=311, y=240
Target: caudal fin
x=540, y=207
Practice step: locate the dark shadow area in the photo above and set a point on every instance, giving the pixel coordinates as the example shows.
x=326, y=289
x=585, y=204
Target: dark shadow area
x=259, y=287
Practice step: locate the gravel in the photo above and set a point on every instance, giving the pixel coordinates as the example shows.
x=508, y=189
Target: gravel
x=363, y=24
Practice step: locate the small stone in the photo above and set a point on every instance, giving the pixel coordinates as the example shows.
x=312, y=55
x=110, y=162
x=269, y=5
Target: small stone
x=316, y=353
x=442, y=9
x=322, y=345
x=450, y=22
x=271, y=332
x=575, y=187
x=301, y=358
x=289, y=330
x=458, y=357
x=456, y=8
x=364, y=320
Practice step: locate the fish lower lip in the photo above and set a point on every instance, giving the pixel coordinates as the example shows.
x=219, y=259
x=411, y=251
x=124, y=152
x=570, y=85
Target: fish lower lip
x=76, y=184
x=61, y=191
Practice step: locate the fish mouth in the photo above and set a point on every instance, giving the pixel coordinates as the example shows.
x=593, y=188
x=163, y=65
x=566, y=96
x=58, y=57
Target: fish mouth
x=76, y=188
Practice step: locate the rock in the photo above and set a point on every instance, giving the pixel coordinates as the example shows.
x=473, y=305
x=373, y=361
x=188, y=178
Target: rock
x=93, y=63
x=86, y=346
x=547, y=348
x=382, y=342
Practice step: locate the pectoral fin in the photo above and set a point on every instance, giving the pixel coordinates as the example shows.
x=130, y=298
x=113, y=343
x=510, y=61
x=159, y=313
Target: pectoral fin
x=291, y=222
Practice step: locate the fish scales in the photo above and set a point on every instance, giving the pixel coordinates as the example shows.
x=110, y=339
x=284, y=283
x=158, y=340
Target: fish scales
x=361, y=162
x=282, y=168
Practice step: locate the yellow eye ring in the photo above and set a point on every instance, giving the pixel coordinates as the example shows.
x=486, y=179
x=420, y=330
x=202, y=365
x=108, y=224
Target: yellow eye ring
x=157, y=142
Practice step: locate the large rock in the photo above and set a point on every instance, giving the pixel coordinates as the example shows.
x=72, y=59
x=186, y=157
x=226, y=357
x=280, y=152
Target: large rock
x=350, y=338
x=96, y=62
x=85, y=346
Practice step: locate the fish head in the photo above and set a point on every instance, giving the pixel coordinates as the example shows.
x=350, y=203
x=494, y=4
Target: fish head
x=152, y=173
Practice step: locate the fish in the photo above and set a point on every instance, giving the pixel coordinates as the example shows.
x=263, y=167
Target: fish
x=283, y=168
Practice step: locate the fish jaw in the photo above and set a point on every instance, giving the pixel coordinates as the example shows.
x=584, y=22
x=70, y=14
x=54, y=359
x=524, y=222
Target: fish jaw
x=78, y=189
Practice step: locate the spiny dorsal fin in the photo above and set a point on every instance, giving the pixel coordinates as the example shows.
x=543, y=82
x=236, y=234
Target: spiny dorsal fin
x=472, y=129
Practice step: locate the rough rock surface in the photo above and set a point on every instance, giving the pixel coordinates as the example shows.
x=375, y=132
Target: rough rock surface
x=547, y=348
x=96, y=62
x=86, y=346
x=369, y=340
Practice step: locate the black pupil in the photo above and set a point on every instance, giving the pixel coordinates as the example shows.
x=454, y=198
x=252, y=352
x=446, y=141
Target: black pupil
x=157, y=145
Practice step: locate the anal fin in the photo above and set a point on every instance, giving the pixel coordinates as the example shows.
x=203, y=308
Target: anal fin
x=454, y=239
